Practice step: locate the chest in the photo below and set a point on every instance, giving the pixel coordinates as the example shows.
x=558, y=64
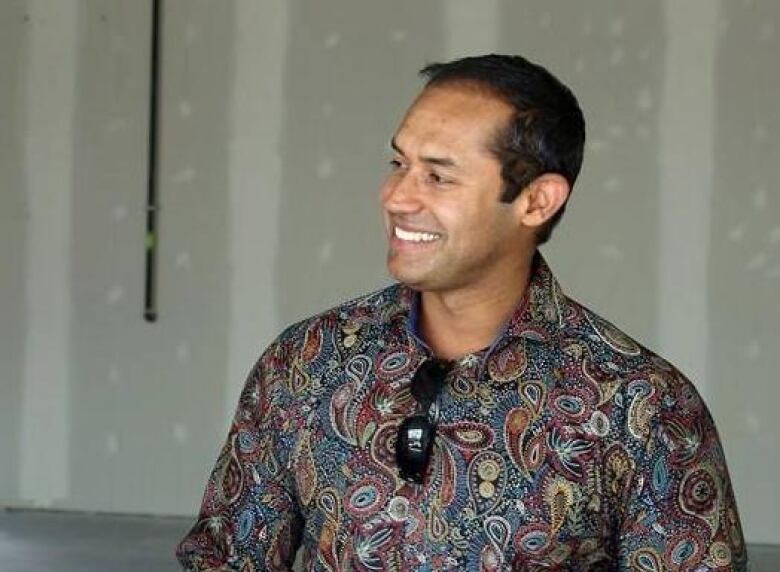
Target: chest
x=517, y=473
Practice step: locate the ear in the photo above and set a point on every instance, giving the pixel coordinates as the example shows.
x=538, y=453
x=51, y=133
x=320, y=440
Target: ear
x=541, y=199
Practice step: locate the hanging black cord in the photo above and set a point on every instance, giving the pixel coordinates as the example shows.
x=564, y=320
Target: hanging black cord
x=152, y=207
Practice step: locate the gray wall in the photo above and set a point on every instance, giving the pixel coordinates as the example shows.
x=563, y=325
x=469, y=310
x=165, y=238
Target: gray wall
x=275, y=121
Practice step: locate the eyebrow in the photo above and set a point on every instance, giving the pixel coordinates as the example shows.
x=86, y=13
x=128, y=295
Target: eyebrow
x=441, y=161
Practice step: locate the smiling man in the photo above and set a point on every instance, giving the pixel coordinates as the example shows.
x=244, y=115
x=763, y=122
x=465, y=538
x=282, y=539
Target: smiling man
x=471, y=416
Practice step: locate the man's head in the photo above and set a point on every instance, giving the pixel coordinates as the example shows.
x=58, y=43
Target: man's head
x=546, y=133
x=484, y=162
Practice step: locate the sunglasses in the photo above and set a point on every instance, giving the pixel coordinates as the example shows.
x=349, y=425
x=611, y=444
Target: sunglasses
x=414, y=442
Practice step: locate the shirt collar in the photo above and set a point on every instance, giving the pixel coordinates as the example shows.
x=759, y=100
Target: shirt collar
x=537, y=317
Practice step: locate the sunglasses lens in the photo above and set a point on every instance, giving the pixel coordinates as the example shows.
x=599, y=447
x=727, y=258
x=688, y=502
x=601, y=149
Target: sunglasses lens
x=413, y=447
x=427, y=381
x=415, y=435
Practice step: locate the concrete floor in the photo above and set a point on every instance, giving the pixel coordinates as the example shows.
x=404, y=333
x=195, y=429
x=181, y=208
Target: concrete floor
x=32, y=541
x=38, y=541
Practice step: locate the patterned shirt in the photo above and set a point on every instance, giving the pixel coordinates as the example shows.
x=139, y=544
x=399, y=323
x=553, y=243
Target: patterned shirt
x=565, y=445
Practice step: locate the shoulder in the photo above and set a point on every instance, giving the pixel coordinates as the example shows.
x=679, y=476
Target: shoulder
x=369, y=309
x=658, y=416
x=316, y=335
x=638, y=375
x=289, y=375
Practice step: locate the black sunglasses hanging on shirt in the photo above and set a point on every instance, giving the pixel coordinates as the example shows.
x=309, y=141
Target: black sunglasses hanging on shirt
x=414, y=442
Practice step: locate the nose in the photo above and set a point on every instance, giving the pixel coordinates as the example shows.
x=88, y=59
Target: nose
x=401, y=193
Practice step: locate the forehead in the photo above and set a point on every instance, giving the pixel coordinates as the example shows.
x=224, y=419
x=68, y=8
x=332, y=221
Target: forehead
x=455, y=118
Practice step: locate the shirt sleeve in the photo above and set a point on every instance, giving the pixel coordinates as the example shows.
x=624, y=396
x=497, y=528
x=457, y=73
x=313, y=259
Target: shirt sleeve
x=679, y=511
x=249, y=518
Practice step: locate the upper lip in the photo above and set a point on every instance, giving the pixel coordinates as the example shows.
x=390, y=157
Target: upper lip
x=413, y=229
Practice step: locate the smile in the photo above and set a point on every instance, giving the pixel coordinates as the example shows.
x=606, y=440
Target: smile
x=412, y=236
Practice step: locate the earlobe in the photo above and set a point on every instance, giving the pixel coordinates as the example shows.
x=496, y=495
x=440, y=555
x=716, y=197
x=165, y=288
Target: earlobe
x=542, y=198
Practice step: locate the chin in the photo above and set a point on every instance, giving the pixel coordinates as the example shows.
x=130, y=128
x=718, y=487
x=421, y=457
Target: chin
x=420, y=277
x=418, y=283
x=407, y=278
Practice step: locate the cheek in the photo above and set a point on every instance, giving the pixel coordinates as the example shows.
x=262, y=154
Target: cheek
x=477, y=218
x=450, y=218
x=487, y=228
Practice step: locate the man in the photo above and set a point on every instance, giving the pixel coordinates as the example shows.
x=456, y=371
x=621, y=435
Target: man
x=471, y=416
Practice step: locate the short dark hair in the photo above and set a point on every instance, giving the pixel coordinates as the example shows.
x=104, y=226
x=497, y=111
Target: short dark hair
x=547, y=130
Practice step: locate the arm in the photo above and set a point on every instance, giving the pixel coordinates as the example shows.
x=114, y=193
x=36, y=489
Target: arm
x=249, y=511
x=679, y=511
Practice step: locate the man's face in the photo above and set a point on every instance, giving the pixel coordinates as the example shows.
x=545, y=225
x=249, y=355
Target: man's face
x=446, y=227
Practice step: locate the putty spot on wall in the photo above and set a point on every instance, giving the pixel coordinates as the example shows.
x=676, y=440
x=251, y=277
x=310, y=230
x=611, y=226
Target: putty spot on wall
x=760, y=133
x=753, y=423
x=112, y=444
x=332, y=40
x=616, y=56
x=642, y=131
x=183, y=352
x=180, y=433
x=760, y=197
x=753, y=350
x=115, y=294
x=579, y=64
x=756, y=262
x=325, y=253
x=596, y=145
x=616, y=130
x=737, y=233
x=185, y=175
x=398, y=36
x=616, y=27
x=191, y=33
x=324, y=168
x=119, y=213
x=114, y=375
x=116, y=124
x=612, y=185
x=185, y=108
x=587, y=27
x=766, y=32
x=183, y=261
x=611, y=252
x=644, y=99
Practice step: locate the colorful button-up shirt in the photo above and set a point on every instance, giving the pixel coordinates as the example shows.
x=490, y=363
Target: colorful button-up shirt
x=565, y=445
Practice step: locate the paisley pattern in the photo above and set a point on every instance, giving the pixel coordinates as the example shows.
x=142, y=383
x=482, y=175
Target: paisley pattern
x=565, y=445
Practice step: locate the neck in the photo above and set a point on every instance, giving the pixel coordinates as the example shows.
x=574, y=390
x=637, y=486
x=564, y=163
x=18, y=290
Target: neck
x=462, y=321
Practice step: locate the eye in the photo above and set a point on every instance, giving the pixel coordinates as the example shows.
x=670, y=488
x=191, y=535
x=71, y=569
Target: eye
x=437, y=179
x=395, y=165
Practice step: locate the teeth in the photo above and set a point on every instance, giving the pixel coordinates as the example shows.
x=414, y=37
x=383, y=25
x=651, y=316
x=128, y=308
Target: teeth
x=416, y=236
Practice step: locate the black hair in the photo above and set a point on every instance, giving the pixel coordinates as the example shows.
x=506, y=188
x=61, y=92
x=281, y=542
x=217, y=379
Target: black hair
x=547, y=130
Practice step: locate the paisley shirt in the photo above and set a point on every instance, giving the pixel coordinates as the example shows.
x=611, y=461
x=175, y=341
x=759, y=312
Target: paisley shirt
x=565, y=445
